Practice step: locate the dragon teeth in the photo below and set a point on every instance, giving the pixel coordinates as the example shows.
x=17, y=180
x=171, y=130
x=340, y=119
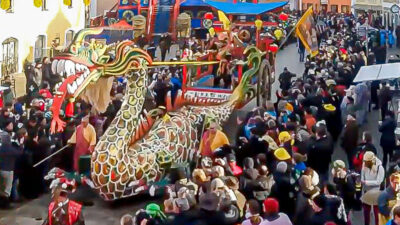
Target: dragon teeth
x=60, y=66
x=54, y=66
x=72, y=87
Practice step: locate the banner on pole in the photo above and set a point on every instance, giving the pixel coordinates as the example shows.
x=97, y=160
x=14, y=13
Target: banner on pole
x=306, y=30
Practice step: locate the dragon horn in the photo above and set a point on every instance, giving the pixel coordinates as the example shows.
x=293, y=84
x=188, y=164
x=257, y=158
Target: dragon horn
x=79, y=37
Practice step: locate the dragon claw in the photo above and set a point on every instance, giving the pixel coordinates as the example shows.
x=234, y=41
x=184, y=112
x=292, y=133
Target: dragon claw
x=57, y=125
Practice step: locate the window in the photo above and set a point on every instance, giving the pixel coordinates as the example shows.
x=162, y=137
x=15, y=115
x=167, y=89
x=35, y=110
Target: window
x=345, y=9
x=200, y=14
x=69, y=36
x=10, y=56
x=334, y=8
x=40, y=48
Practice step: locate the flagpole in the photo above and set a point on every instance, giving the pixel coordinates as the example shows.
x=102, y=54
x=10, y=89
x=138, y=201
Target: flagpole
x=287, y=37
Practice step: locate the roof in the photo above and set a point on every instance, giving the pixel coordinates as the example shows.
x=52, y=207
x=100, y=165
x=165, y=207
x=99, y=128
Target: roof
x=245, y=8
x=194, y=3
x=122, y=24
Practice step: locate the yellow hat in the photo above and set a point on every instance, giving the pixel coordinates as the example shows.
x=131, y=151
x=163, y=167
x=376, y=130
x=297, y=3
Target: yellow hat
x=289, y=107
x=329, y=107
x=284, y=136
x=281, y=154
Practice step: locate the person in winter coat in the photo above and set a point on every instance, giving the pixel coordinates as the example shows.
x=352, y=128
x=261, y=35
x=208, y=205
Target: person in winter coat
x=350, y=138
x=335, y=204
x=322, y=214
x=388, y=198
x=388, y=138
x=320, y=152
x=8, y=156
x=372, y=175
x=283, y=190
x=396, y=217
x=384, y=97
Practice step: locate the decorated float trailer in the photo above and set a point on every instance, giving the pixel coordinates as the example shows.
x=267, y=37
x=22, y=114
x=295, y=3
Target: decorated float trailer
x=162, y=16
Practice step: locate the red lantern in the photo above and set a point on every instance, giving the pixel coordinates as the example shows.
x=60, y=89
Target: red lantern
x=283, y=16
x=208, y=16
x=273, y=48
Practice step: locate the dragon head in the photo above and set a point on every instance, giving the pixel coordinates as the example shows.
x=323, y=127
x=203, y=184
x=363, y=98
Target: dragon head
x=87, y=68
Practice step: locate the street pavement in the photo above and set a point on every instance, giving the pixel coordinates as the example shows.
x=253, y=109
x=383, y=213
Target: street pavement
x=105, y=213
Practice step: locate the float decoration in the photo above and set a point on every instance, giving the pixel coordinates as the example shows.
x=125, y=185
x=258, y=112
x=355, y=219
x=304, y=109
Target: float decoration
x=37, y=3
x=139, y=147
x=259, y=24
x=67, y=2
x=283, y=16
x=273, y=48
x=86, y=2
x=5, y=4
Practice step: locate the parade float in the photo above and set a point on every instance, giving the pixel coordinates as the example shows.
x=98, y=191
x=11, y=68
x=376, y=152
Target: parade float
x=139, y=147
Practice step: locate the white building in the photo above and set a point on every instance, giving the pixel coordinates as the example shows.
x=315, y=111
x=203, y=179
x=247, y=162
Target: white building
x=31, y=33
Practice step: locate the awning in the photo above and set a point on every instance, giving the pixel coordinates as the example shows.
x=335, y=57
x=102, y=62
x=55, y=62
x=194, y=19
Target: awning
x=367, y=7
x=378, y=72
x=244, y=7
x=194, y=3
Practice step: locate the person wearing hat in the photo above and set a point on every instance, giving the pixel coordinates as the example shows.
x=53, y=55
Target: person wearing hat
x=84, y=139
x=156, y=214
x=272, y=214
x=63, y=210
x=388, y=199
x=372, y=175
x=212, y=139
x=348, y=185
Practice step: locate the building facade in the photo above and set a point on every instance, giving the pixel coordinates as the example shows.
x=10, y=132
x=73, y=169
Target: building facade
x=339, y=6
x=29, y=33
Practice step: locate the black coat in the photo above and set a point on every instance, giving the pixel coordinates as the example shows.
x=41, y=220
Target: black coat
x=320, y=154
x=8, y=152
x=346, y=190
x=350, y=137
x=284, y=192
x=388, y=138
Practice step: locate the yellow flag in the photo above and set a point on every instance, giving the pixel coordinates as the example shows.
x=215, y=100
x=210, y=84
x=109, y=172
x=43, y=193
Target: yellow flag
x=307, y=32
x=222, y=17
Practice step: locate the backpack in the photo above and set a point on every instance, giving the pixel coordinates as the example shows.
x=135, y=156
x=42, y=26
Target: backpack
x=358, y=159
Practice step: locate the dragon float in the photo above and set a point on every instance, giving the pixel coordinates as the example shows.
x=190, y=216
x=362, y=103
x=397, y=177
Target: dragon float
x=139, y=147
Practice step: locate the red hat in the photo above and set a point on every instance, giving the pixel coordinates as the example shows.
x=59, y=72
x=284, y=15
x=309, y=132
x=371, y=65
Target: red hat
x=271, y=206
